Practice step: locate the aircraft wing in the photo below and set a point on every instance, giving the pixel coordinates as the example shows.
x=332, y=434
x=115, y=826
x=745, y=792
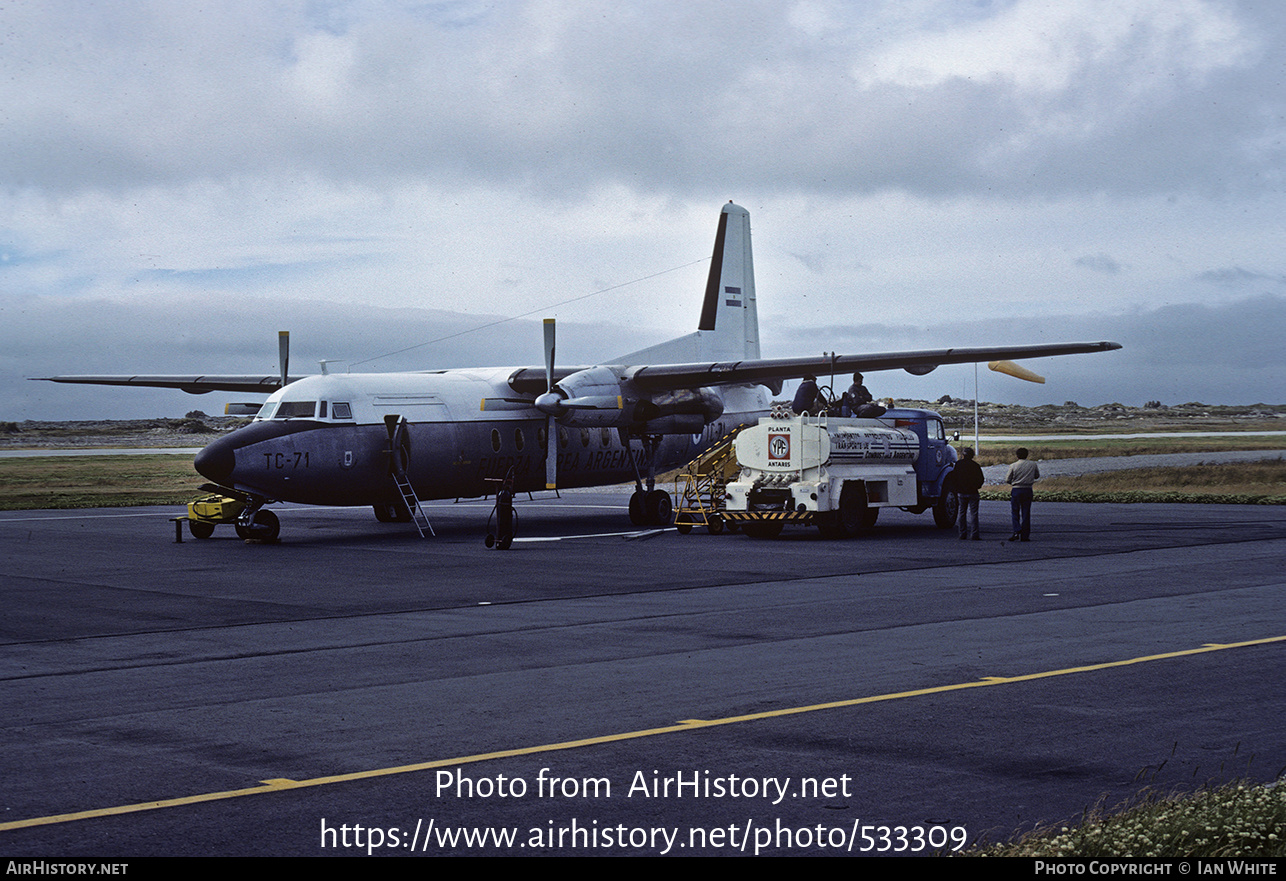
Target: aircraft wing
x=194, y=385
x=659, y=377
x=656, y=377
x=763, y=371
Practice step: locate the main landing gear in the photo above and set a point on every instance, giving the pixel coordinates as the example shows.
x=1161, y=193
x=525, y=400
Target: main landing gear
x=651, y=506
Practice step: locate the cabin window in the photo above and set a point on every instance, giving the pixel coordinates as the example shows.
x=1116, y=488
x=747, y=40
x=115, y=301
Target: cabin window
x=519, y=440
x=542, y=438
x=584, y=437
x=296, y=410
x=341, y=410
x=562, y=438
x=495, y=440
x=606, y=435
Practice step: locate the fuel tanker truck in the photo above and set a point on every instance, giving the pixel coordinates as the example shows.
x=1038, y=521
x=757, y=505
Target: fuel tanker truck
x=838, y=472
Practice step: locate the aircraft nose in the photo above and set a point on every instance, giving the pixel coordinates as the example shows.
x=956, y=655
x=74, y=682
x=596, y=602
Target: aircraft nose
x=217, y=461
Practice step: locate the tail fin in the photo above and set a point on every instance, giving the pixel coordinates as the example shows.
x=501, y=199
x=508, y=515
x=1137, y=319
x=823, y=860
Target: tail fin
x=729, y=326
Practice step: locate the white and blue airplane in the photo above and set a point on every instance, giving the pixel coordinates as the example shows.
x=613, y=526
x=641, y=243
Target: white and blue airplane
x=388, y=439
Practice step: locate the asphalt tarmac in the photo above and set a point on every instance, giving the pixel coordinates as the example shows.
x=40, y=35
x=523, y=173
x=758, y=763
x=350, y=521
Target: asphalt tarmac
x=355, y=689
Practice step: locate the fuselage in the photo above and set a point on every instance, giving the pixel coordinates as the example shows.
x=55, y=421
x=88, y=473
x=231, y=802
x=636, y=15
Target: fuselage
x=325, y=440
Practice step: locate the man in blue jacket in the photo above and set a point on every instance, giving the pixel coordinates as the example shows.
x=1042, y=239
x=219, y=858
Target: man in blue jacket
x=966, y=480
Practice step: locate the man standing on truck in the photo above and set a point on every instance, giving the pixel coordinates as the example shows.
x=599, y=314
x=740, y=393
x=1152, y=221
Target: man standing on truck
x=966, y=480
x=1022, y=474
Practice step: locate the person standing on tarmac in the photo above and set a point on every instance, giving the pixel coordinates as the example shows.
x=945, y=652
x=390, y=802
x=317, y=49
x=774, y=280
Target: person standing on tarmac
x=967, y=480
x=1022, y=474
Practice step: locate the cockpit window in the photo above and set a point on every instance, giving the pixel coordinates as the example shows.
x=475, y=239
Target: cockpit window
x=341, y=410
x=265, y=412
x=296, y=410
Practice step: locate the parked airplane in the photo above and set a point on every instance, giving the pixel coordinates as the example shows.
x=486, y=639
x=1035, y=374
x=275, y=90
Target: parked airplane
x=388, y=439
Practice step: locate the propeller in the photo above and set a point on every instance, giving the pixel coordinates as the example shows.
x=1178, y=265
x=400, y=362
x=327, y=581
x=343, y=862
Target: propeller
x=551, y=428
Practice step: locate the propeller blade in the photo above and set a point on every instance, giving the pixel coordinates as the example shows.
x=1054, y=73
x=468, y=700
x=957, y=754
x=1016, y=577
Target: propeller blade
x=551, y=429
x=1015, y=370
x=551, y=458
x=549, y=354
x=283, y=355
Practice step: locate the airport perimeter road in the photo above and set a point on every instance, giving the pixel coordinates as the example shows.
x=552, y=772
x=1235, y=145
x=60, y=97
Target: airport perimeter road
x=356, y=688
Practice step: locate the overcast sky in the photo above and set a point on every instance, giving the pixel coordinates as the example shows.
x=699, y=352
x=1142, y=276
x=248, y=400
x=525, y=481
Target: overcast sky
x=179, y=181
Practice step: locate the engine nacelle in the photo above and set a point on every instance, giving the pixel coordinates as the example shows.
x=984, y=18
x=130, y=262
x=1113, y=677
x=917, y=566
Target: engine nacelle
x=595, y=398
x=684, y=411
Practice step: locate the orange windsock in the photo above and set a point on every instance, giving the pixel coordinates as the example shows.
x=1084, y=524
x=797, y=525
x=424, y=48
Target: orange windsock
x=1015, y=370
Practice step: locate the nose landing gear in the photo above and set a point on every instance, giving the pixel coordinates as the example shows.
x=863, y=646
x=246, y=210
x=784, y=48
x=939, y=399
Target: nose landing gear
x=257, y=523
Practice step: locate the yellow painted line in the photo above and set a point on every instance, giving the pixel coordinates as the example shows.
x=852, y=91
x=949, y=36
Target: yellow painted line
x=280, y=784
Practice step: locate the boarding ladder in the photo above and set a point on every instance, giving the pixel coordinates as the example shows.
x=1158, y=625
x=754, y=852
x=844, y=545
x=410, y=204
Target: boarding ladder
x=412, y=503
x=701, y=487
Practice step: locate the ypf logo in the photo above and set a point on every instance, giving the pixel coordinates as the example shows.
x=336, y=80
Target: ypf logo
x=778, y=447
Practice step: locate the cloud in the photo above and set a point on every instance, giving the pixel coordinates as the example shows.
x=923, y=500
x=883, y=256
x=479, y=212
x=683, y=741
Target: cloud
x=1099, y=263
x=564, y=97
x=904, y=162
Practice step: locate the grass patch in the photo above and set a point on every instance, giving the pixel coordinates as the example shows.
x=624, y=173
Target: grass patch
x=97, y=481
x=1235, y=820
x=1248, y=483
x=997, y=454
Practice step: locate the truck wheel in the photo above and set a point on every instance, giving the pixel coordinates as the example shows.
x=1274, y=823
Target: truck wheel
x=869, y=518
x=714, y=524
x=853, y=512
x=944, y=512
x=683, y=523
x=830, y=527
x=200, y=528
x=763, y=528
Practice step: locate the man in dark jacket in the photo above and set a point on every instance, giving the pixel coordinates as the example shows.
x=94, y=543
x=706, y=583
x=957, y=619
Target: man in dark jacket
x=808, y=399
x=967, y=480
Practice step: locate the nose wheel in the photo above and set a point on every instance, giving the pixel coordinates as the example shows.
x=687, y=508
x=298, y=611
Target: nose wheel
x=264, y=526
